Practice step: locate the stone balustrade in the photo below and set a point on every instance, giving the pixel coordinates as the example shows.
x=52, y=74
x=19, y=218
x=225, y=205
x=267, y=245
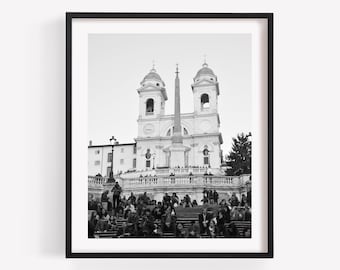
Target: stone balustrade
x=166, y=181
x=167, y=171
x=96, y=180
x=186, y=170
x=180, y=181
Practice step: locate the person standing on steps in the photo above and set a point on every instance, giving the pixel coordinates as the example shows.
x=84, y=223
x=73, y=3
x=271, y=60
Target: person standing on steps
x=116, y=190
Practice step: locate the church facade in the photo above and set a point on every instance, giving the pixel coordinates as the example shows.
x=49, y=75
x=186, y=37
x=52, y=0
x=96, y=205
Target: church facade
x=167, y=141
x=179, y=140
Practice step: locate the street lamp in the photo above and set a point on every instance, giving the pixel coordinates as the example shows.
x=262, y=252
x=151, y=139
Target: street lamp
x=113, y=141
x=153, y=158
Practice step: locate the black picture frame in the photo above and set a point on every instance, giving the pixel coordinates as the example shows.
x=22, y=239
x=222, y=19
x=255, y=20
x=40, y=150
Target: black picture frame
x=75, y=15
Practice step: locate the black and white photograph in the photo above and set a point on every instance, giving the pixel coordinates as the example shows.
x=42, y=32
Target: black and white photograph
x=169, y=151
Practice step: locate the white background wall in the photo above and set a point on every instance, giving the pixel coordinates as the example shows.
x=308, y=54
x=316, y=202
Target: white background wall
x=32, y=60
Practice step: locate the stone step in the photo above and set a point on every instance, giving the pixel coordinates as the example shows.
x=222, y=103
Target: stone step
x=240, y=225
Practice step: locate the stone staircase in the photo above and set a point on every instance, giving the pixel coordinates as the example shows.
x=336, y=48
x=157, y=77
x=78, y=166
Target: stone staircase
x=185, y=216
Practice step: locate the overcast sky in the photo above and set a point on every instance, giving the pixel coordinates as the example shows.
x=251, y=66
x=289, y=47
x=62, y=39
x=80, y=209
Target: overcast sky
x=118, y=63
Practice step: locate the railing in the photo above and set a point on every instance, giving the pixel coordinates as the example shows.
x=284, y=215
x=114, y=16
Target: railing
x=96, y=180
x=178, y=181
x=197, y=170
x=167, y=171
x=173, y=181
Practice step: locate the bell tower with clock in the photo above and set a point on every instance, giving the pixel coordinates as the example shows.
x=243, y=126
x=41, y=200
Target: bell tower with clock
x=152, y=97
x=206, y=91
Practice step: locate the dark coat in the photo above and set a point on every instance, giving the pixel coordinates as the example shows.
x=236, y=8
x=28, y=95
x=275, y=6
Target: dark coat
x=249, y=198
x=201, y=220
x=105, y=198
x=234, y=201
x=147, y=225
x=215, y=195
x=90, y=229
x=116, y=190
x=132, y=199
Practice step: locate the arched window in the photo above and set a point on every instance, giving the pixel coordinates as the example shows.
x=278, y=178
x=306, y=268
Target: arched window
x=205, y=102
x=149, y=106
x=206, y=155
x=148, y=159
x=171, y=131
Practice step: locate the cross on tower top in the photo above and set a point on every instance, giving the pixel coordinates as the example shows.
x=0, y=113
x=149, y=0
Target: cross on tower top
x=205, y=61
x=153, y=66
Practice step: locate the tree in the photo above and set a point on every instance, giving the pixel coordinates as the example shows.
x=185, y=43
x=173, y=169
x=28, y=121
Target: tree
x=239, y=158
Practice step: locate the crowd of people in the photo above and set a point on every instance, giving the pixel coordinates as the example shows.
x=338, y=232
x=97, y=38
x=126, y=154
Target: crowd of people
x=139, y=216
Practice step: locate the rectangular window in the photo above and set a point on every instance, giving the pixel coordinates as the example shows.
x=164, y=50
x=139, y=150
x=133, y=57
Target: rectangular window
x=206, y=160
x=97, y=152
x=134, y=149
x=97, y=162
x=134, y=163
x=148, y=163
x=121, y=161
x=109, y=157
x=122, y=150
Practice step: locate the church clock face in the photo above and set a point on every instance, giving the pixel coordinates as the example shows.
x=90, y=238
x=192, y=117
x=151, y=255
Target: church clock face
x=148, y=129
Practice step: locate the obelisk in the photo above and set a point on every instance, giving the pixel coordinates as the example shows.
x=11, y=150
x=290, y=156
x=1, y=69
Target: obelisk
x=177, y=149
x=177, y=134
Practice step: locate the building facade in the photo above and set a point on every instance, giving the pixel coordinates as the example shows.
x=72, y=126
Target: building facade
x=168, y=141
x=100, y=159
